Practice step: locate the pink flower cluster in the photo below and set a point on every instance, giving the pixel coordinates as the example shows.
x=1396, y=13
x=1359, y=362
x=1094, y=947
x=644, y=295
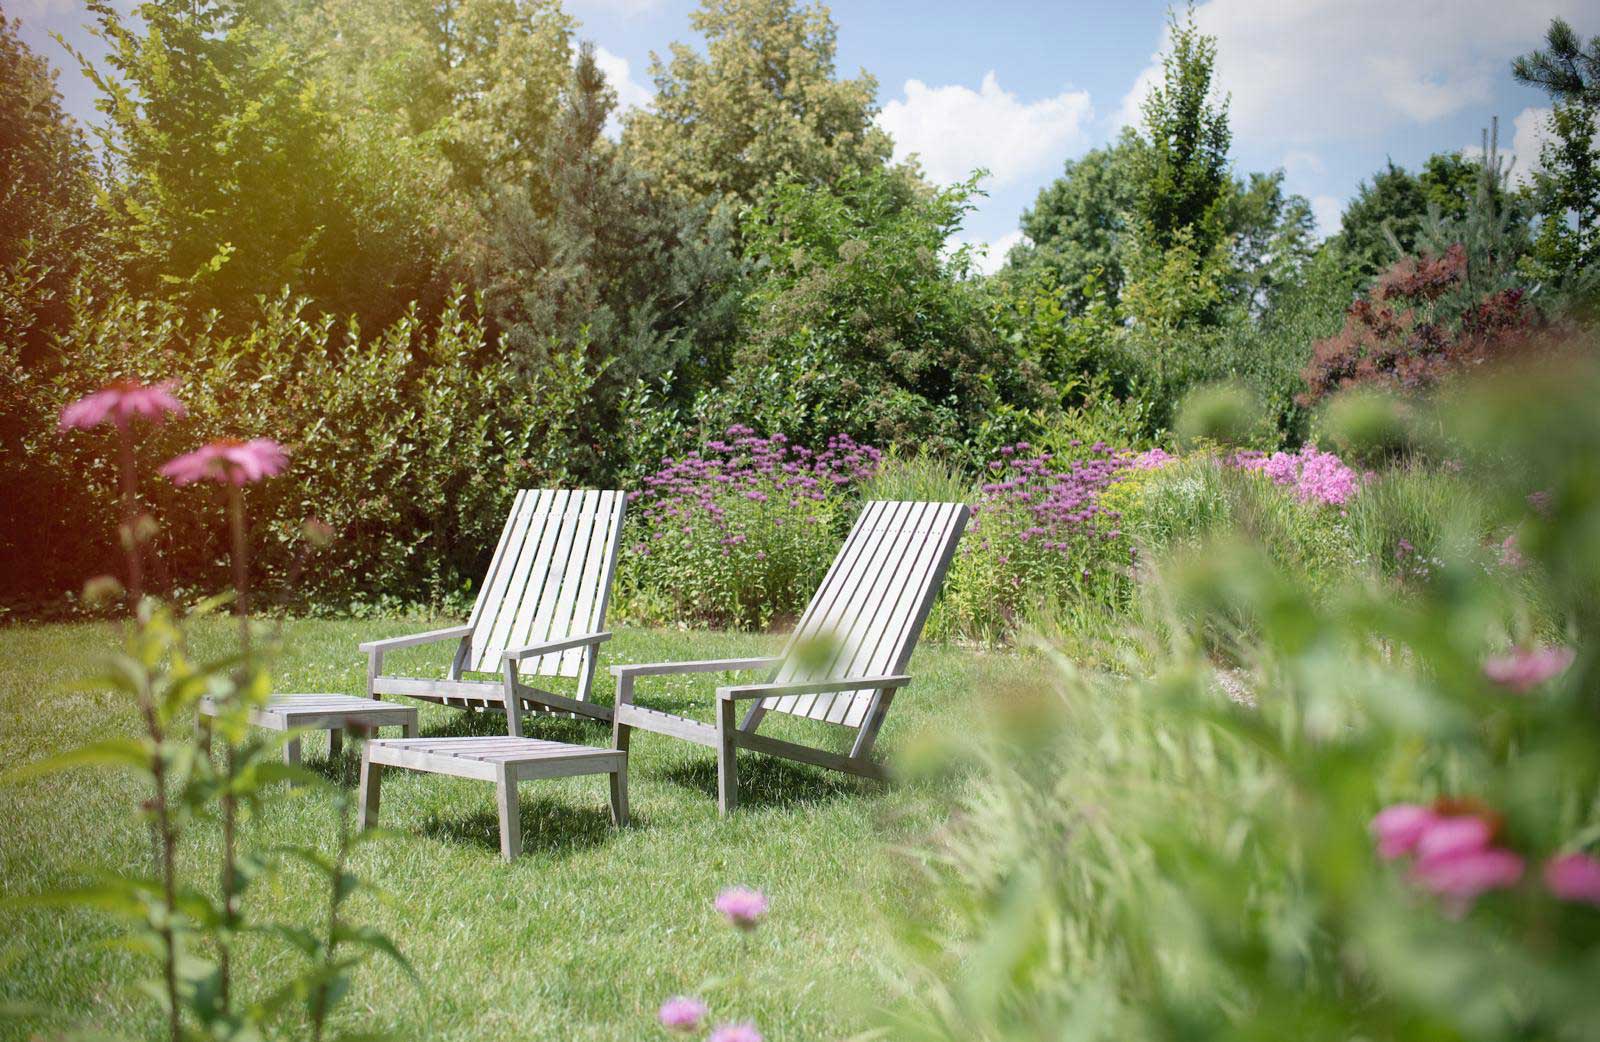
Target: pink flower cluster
x=1524, y=669
x=1317, y=477
x=699, y=487
x=1455, y=855
x=1058, y=506
x=744, y=909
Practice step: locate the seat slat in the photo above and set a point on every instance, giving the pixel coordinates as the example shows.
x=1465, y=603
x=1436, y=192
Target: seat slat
x=873, y=602
x=880, y=543
x=561, y=591
x=821, y=621
x=504, y=589
x=594, y=582
x=875, y=620
x=888, y=626
x=522, y=594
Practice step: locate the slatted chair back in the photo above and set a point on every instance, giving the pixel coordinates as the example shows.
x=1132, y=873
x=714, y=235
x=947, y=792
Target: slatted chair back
x=550, y=578
x=869, y=610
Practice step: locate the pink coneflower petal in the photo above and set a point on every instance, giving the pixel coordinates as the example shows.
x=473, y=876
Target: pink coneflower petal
x=736, y=1033
x=1399, y=828
x=228, y=462
x=682, y=1013
x=742, y=906
x=1526, y=668
x=1574, y=877
x=1464, y=875
x=120, y=403
x=1449, y=837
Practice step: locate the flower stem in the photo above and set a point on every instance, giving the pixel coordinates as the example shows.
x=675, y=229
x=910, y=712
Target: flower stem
x=130, y=518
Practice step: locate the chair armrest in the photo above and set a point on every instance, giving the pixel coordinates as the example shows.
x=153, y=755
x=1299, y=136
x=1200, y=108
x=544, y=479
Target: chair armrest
x=549, y=647
x=391, y=643
x=719, y=665
x=810, y=687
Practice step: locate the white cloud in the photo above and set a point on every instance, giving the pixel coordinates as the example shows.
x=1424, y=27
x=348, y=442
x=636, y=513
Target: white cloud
x=626, y=8
x=988, y=257
x=1299, y=162
x=955, y=129
x=630, y=93
x=1329, y=213
x=1309, y=69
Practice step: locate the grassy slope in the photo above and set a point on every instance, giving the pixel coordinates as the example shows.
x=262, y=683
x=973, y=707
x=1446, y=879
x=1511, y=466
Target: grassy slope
x=581, y=939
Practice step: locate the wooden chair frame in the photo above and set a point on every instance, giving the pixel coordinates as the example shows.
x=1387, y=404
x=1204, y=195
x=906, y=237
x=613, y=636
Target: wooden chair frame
x=883, y=545
x=528, y=593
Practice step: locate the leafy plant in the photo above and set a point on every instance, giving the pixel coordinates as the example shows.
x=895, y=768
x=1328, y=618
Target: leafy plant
x=192, y=935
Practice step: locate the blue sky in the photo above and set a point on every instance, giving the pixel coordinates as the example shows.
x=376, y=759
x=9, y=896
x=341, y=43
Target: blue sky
x=1325, y=89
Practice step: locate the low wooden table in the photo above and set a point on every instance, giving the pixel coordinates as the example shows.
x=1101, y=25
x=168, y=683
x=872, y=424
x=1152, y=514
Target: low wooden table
x=501, y=759
x=332, y=713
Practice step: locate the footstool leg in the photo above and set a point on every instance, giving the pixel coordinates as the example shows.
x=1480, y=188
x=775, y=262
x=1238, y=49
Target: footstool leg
x=505, y=787
x=409, y=728
x=202, y=732
x=291, y=752
x=371, y=780
x=727, y=757
x=335, y=742
x=619, y=796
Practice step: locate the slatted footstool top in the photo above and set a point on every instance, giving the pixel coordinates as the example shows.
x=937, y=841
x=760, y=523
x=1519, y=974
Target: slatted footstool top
x=521, y=759
x=504, y=760
x=326, y=712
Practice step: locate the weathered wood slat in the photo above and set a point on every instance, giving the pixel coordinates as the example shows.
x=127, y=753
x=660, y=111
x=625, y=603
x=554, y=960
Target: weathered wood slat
x=513, y=557
x=528, y=572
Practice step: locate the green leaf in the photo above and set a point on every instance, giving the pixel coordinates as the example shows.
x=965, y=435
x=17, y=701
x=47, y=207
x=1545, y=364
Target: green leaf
x=110, y=752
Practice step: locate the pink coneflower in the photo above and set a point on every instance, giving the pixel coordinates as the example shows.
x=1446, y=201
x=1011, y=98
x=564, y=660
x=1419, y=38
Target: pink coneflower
x=1574, y=877
x=682, y=1013
x=1526, y=668
x=736, y=1033
x=120, y=403
x=1462, y=876
x=742, y=906
x=228, y=462
x=1399, y=828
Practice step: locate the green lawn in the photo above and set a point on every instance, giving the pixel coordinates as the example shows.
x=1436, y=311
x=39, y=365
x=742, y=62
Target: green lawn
x=581, y=938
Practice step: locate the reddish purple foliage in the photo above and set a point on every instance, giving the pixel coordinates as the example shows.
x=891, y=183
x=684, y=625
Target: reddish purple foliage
x=1406, y=335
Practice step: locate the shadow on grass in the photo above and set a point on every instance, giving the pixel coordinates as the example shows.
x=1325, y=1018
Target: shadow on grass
x=548, y=826
x=767, y=781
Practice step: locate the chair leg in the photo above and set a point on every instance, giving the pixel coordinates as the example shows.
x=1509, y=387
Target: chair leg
x=510, y=815
x=619, y=796
x=335, y=742
x=367, y=800
x=409, y=730
x=291, y=752
x=727, y=759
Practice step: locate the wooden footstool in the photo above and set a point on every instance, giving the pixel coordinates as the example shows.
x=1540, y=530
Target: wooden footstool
x=332, y=713
x=502, y=759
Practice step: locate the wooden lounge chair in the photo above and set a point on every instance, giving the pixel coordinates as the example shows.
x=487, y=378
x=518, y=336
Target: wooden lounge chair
x=541, y=610
x=868, y=613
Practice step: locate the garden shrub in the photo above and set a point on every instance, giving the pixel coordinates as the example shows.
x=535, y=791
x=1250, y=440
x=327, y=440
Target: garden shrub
x=409, y=443
x=739, y=534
